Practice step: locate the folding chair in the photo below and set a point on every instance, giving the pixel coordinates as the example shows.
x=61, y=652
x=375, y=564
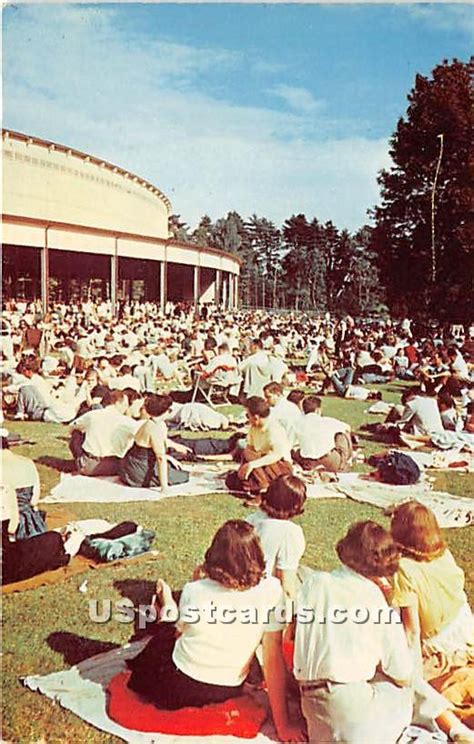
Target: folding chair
x=209, y=392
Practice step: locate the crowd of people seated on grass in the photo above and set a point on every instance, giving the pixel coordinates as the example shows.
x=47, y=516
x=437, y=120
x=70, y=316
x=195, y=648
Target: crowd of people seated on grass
x=353, y=676
x=50, y=363
x=120, y=383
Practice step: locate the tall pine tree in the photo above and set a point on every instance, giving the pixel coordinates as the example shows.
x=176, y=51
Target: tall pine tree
x=423, y=235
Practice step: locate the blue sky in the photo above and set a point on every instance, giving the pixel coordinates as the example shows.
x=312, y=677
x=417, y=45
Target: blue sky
x=273, y=109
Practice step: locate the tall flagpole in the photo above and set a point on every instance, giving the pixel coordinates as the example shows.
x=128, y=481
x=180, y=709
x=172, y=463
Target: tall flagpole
x=433, y=209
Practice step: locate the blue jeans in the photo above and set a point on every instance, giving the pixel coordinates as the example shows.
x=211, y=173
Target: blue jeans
x=369, y=378
x=342, y=378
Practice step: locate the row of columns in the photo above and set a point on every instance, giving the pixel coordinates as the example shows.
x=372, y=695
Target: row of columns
x=225, y=290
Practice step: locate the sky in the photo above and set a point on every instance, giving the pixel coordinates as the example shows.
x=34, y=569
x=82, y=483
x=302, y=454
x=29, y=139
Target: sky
x=269, y=109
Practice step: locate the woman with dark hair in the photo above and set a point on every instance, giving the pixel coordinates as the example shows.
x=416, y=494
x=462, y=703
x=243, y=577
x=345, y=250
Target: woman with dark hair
x=146, y=464
x=224, y=615
x=282, y=540
x=352, y=661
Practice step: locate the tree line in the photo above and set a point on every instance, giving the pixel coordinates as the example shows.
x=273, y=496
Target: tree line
x=416, y=259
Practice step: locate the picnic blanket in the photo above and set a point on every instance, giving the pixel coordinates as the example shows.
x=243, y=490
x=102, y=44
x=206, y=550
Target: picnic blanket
x=450, y=460
x=77, y=565
x=205, y=479
x=83, y=488
x=450, y=511
x=82, y=690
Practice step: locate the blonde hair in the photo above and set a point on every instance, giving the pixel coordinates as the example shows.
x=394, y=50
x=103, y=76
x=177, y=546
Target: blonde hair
x=416, y=532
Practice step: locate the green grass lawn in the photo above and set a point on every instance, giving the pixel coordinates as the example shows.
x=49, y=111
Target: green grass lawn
x=49, y=628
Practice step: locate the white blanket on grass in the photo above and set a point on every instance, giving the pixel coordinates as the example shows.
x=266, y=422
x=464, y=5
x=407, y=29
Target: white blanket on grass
x=205, y=479
x=437, y=460
x=83, y=488
x=450, y=511
x=82, y=690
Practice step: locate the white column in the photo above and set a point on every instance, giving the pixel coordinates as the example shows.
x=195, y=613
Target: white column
x=218, y=287
x=196, y=290
x=45, y=274
x=163, y=284
x=224, y=291
x=114, y=273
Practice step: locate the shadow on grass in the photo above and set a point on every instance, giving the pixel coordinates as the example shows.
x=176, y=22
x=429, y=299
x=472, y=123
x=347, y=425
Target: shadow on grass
x=57, y=463
x=75, y=649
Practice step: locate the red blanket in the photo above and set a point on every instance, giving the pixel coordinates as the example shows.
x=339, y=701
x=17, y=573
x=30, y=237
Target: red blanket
x=240, y=716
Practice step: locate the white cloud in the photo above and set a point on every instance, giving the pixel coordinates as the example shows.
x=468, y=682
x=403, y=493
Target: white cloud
x=445, y=16
x=297, y=98
x=71, y=77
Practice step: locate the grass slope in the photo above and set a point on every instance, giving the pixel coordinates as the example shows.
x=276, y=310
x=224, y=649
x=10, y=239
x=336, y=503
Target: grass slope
x=49, y=628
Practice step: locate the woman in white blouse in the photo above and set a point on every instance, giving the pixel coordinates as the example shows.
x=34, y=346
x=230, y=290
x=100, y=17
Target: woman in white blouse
x=222, y=619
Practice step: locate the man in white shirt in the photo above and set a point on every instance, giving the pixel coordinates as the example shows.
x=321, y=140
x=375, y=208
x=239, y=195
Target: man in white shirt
x=345, y=634
x=313, y=359
x=84, y=346
x=105, y=370
x=323, y=442
x=163, y=364
x=278, y=366
x=421, y=415
x=287, y=414
x=108, y=434
x=458, y=364
x=256, y=369
x=34, y=392
x=267, y=454
x=223, y=371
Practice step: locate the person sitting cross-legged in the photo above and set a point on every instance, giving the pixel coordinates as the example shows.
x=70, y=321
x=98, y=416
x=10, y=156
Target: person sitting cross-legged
x=267, y=454
x=323, y=442
x=108, y=433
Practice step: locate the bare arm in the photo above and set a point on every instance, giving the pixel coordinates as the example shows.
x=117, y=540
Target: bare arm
x=158, y=445
x=10, y=508
x=36, y=489
x=288, y=580
x=411, y=624
x=179, y=447
x=275, y=677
